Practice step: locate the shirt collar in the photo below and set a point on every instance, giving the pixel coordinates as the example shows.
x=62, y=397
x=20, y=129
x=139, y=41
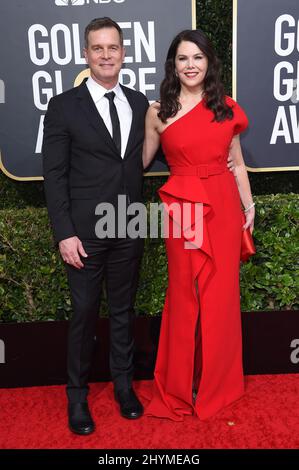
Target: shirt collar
x=97, y=91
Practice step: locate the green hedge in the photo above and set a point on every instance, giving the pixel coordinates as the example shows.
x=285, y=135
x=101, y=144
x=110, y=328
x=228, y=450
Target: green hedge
x=33, y=284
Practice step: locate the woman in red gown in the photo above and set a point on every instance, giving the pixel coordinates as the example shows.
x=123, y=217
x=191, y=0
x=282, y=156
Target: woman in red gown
x=199, y=362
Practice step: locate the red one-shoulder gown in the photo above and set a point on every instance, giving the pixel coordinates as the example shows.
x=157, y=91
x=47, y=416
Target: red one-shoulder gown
x=199, y=363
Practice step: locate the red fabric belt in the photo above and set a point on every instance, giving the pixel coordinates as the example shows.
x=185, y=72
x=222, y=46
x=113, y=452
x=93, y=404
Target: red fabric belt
x=202, y=171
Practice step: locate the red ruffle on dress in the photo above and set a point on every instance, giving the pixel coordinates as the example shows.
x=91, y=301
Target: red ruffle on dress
x=200, y=346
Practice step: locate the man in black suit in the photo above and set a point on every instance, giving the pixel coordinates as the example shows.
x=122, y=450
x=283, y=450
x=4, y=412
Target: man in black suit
x=92, y=153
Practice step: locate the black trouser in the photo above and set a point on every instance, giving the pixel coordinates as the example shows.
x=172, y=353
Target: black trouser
x=118, y=261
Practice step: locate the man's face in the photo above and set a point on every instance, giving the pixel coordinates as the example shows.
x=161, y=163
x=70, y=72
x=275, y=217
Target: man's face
x=104, y=55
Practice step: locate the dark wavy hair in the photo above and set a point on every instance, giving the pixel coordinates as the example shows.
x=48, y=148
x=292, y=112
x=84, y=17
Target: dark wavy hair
x=213, y=91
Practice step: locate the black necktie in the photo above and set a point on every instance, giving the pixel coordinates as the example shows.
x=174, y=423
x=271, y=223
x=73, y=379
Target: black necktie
x=114, y=120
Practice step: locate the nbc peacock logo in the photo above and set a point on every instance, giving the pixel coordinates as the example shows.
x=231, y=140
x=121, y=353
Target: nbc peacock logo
x=65, y=3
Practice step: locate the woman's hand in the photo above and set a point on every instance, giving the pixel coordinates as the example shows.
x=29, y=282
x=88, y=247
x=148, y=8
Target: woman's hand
x=250, y=214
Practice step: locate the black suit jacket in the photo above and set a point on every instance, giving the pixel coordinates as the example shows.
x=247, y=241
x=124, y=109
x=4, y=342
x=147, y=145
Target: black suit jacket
x=81, y=164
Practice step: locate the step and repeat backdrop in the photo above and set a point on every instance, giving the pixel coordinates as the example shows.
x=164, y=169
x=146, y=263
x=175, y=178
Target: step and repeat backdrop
x=41, y=55
x=266, y=81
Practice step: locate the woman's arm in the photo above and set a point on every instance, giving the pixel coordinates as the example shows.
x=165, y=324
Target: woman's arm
x=243, y=182
x=152, y=136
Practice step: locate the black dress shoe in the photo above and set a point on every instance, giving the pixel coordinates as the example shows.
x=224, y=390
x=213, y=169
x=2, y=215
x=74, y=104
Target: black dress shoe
x=130, y=406
x=80, y=420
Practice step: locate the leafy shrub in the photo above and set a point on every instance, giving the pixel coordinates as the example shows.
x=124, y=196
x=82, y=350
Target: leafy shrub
x=33, y=284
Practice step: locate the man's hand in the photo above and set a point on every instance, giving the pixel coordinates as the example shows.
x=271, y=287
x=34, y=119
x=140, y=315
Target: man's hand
x=70, y=250
x=230, y=164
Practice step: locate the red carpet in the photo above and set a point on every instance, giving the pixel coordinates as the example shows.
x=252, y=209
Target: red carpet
x=266, y=417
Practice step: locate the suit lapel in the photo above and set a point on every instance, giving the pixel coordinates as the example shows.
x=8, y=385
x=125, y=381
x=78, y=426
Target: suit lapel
x=134, y=124
x=93, y=116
